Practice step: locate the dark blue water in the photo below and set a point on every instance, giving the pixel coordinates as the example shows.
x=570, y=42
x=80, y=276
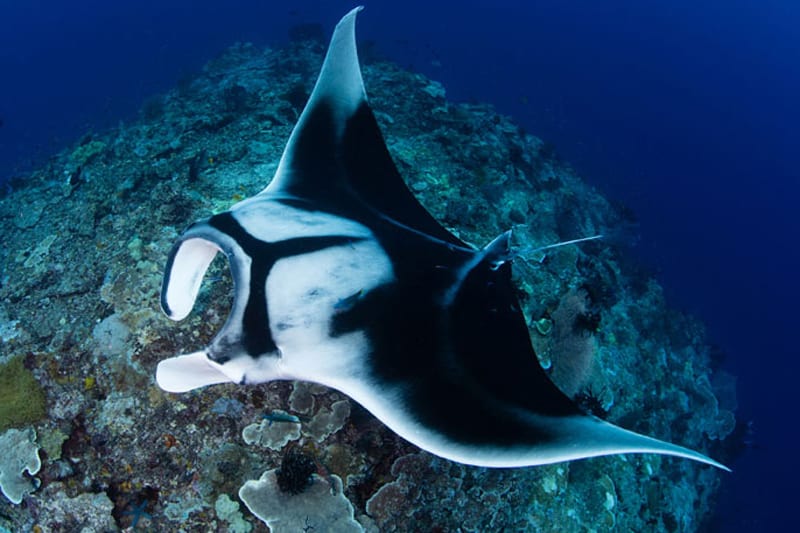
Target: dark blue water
x=685, y=110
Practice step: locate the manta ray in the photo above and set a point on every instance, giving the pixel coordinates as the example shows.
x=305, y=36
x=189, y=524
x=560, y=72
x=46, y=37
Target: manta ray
x=342, y=278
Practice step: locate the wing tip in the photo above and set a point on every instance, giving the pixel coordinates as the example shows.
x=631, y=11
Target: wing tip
x=612, y=439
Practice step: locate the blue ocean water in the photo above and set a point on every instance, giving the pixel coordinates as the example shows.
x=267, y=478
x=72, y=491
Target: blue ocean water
x=685, y=111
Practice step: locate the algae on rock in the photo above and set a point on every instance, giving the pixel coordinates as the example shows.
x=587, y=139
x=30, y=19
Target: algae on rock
x=22, y=399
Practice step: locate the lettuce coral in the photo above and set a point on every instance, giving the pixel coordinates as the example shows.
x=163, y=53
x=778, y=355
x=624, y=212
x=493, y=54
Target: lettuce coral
x=323, y=506
x=20, y=454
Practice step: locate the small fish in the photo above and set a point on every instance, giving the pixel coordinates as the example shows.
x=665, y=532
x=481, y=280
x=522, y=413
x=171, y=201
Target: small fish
x=280, y=416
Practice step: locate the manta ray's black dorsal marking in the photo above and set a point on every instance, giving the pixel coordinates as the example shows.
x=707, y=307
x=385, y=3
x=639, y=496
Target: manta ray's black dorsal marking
x=341, y=277
x=338, y=149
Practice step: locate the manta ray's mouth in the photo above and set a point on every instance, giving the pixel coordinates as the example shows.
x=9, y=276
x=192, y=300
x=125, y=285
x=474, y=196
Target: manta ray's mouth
x=187, y=266
x=188, y=263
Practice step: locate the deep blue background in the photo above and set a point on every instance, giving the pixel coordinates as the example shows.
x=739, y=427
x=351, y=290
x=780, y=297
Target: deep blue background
x=687, y=110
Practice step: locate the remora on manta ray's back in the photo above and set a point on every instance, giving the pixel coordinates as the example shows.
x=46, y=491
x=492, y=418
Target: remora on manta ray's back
x=342, y=278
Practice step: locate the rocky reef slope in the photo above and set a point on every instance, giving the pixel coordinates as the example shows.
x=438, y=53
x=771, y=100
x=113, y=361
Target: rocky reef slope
x=85, y=240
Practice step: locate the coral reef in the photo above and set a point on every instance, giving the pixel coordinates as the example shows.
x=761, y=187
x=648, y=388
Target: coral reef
x=571, y=347
x=85, y=239
x=228, y=511
x=322, y=506
x=20, y=455
x=84, y=512
x=328, y=420
x=273, y=435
